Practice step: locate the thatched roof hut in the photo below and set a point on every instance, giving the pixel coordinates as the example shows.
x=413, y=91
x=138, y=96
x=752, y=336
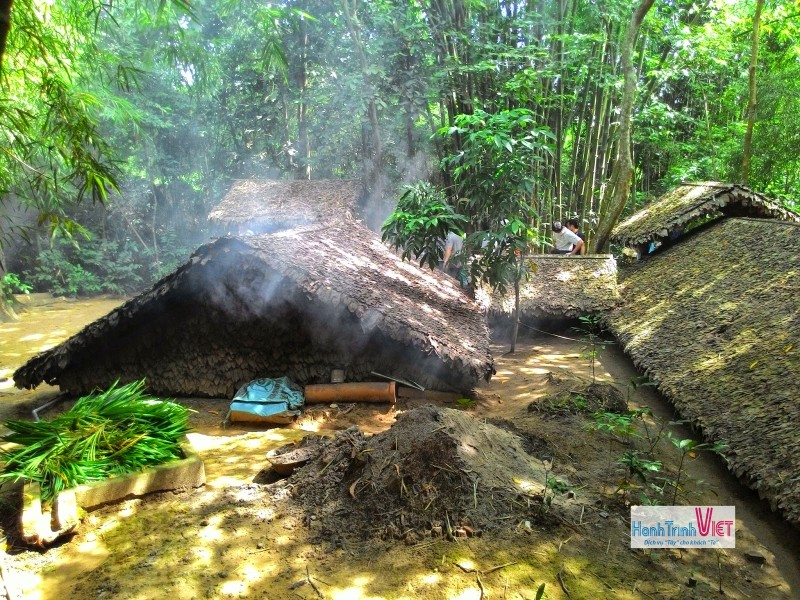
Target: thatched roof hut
x=559, y=287
x=689, y=204
x=263, y=206
x=299, y=303
x=715, y=322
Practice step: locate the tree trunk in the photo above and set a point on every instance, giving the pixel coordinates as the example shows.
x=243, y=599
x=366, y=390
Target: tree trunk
x=515, y=329
x=751, y=104
x=375, y=177
x=154, y=224
x=304, y=146
x=618, y=190
x=5, y=26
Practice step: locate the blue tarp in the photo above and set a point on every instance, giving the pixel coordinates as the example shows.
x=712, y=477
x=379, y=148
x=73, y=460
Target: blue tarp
x=273, y=400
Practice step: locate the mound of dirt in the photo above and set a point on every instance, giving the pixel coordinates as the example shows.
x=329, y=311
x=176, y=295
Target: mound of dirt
x=573, y=396
x=436, y=472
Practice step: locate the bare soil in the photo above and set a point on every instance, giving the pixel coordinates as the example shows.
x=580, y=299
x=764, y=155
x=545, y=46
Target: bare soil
x=440, y=498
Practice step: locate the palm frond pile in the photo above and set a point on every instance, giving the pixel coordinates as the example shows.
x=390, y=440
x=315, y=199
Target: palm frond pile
x=118, y=431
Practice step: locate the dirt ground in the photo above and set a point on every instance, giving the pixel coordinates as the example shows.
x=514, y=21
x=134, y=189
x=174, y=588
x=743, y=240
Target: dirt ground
x=245, y=535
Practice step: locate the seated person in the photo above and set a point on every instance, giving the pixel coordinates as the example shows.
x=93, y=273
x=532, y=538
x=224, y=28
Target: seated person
x=564, y=241
x=574, y=227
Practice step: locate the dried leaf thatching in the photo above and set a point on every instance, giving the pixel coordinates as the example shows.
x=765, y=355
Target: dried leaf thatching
x=690, y=203
x=715, y=321
x=268, y=205
x=298, y=303
x=563, y=287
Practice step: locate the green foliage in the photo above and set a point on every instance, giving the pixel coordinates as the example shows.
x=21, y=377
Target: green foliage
x=499, y=254
x=638, y=467
x=565, y=402
x=641, y=467
x=552, y=487
x=619, y=425
x=497, y=154
x=514, y=105
x=11, y=284
x=688, y=448
x=54, y=153
x=558, y=486
x=120, y=430
x=420, y=223
x=493, y=171
x=466, y=403
x=637, y=470
x=89, y=268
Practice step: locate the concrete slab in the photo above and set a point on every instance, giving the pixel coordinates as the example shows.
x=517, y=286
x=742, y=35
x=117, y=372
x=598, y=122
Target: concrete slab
x=40, y=527
x=178, y=475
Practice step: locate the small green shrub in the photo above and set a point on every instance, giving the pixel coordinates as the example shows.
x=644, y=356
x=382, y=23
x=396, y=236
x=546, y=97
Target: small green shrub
x=466, y=402
x=562, y=403
x=11, y=284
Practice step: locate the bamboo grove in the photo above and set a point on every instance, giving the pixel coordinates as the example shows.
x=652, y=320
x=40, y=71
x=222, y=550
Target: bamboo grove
x=152, y=108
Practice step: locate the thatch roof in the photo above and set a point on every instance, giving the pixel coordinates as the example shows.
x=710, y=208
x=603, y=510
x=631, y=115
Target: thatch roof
x=559, y=287
x=690, y=203
x=298, y=303
x=715, y=321
x=269, y=205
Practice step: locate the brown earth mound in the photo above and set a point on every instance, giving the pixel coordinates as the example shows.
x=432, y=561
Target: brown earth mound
x=436, y=472
x=572, y=396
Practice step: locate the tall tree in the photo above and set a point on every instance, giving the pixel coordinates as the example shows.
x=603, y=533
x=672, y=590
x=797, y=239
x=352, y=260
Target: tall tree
x=618, y=190
x=751, y=101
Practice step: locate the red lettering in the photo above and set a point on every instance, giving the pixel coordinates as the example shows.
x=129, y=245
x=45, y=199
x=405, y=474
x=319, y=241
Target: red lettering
x=723, y=528
x=704, y=522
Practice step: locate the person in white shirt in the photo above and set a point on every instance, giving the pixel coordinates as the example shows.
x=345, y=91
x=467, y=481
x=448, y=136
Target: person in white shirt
x=453, y=245
x=574, y=226
x=564, y=241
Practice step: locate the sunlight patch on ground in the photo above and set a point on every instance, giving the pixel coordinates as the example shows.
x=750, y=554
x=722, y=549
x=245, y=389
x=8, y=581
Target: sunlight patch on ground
x=237, y=589
x=89, y=556
x=310, y=426
x=111, y=524
x=253, y=440
x=31, y=337
x=528, y=487
x=470, y=594
x=210, y=534
x=203, y=555
x=252, y=574
x=26, y=584
x=430, y=578
x=223, y=481
x=466, y=564
x=534, y=371
x=285, y=540
x=558, y=358
x=352, y=593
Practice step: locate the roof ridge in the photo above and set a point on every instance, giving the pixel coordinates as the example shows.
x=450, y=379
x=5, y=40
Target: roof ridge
x=771, y=221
